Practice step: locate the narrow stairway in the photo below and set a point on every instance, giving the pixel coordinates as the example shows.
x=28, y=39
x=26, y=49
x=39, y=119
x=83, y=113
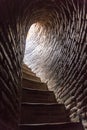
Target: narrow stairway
x=39, y=108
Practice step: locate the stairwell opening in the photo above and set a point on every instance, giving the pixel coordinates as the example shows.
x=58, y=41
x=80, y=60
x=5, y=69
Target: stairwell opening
x=61, y=60
x=56, y=52
x=36, y=43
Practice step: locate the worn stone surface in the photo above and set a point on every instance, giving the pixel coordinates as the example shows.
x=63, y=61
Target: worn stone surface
x=57, y=52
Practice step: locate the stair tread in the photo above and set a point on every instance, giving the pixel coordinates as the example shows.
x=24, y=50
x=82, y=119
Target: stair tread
x=26, y=88
x=43, y=113
x=42, y=104
x=56, y=123
x=32, y=77
x=26, y=67
x=34, y=84
x=53, y=126
x=33, y=80
x=28, y=72
x=29, y=95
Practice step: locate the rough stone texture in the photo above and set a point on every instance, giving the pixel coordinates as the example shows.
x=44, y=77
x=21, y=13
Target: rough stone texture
x=11, y=56
x=57, y=52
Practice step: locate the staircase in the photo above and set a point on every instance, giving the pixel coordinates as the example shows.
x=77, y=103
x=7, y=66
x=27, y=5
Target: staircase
x=39, y=108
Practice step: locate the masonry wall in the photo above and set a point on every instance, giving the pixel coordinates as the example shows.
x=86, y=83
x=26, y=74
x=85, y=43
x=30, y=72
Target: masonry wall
x=11, y=56
x=57, y=53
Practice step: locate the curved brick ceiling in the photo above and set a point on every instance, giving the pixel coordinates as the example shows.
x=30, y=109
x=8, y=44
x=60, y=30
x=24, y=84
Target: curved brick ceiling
x=57, y=50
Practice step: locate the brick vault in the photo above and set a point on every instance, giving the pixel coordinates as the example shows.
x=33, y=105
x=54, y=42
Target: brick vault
x=57, y=53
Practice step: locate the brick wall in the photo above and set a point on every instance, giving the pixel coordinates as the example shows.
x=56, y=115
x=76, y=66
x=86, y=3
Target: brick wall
x=11, y=56
x=58, y=54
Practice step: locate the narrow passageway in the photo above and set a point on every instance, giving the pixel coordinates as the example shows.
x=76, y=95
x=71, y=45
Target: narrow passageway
x=39, y=105
x=56, y=50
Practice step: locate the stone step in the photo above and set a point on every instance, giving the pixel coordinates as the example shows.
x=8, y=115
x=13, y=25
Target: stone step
x=33, y=113
x=24, y=66
x=27, y=70
x=31, y=77
x=37, y=96
x=33, y=84
x=52, y=126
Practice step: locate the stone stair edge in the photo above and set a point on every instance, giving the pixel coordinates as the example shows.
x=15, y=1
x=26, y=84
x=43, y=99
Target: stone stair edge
x=56, y=123
x=42, y=104
x=26, y=88
x=33, y=80
x=29, y=73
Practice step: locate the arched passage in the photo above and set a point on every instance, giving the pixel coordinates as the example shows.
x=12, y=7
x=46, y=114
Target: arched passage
x=59, y=57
